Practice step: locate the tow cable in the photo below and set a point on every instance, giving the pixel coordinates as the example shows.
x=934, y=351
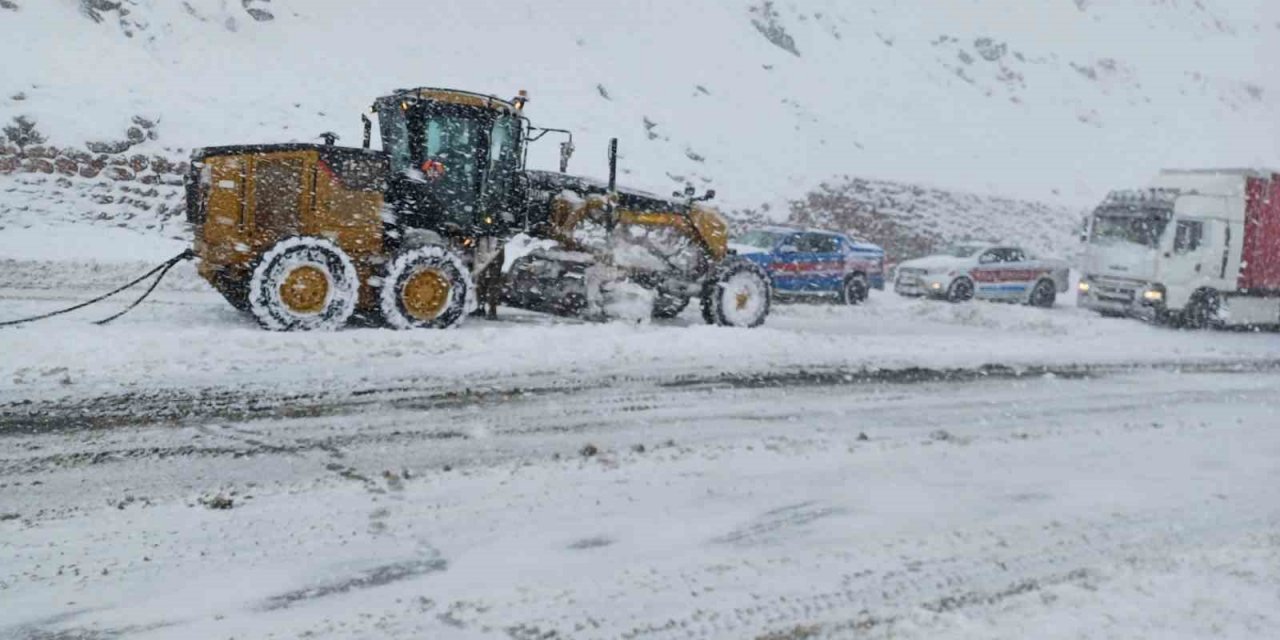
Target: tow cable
x=163, y=269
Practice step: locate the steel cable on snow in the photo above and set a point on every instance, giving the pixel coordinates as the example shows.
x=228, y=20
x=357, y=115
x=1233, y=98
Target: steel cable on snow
x=162, y=269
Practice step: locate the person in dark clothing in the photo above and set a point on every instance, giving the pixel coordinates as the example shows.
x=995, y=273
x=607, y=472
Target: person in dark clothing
x=489, y=286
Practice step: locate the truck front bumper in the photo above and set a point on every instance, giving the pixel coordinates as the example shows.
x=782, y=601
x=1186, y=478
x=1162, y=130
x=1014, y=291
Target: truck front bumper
x=1121, y=297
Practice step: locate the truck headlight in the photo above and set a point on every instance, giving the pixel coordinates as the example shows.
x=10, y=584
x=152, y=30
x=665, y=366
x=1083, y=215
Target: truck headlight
x=1153, y=295
x=1083, y=287
x=935, y=285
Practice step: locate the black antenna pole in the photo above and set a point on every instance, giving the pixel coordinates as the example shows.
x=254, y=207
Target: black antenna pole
x=613, y=165
x=612, y=197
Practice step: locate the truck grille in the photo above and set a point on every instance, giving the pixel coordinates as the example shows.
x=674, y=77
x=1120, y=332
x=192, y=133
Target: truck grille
x=1114, y=290
x=1114, y=294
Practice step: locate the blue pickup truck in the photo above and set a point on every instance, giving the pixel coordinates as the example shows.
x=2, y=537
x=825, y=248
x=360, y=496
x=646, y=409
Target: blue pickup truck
x=813, y=262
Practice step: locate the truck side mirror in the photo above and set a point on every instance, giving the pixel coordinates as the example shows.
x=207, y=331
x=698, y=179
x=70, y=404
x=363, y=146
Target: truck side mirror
x=368, y=130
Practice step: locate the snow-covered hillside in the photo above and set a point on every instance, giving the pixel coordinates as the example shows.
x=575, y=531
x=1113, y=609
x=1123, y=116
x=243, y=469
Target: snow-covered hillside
x=1047, y=100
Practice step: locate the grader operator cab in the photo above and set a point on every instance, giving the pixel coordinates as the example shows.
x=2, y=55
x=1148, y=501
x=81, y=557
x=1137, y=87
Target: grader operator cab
x=304, y=236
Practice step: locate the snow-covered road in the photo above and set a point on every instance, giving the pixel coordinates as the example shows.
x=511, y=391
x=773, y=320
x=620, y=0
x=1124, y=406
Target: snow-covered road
x=903, y=469
x=187, y=338
x=1129, y=505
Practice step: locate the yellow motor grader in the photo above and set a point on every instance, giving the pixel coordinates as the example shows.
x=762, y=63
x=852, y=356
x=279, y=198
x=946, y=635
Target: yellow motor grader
x=305, y=236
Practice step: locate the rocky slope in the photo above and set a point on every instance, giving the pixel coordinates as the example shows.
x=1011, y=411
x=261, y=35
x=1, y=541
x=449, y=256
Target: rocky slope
x=1052, y=101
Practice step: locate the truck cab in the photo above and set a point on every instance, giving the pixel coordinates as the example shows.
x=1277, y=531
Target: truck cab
x=1180, y=250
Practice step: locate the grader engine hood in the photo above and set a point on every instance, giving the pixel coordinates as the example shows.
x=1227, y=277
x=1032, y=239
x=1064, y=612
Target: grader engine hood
x=571, y=209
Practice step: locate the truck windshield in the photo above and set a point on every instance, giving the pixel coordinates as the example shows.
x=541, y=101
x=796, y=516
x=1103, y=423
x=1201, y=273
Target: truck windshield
x=1139, y=230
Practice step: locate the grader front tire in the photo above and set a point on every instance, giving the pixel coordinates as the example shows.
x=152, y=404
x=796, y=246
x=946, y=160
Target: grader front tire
x=738, y=294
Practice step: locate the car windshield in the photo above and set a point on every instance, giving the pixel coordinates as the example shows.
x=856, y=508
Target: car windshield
x=963, y=250
x=759, y=239
x=1139, y=230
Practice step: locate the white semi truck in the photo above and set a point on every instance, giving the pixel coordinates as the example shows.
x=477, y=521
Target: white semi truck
x=1198, y=248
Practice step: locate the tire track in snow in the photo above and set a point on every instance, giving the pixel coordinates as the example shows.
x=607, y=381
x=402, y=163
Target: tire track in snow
x=202, y=406
x=584, y=414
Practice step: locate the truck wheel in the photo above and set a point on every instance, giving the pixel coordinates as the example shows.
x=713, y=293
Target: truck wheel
x=738, y=294
x=425, y=287
x=1043, y=295
x=855, y=289
x=303, y=284
x=669, y=306
x=1203, y=310
x=960, y=291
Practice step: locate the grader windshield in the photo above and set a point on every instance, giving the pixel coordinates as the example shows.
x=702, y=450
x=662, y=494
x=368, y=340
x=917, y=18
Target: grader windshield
x=455, y=159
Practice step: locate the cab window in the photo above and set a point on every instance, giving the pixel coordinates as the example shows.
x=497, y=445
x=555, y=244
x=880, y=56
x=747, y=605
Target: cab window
x=503, y=165
x=395, y=133
x=1188, y=236
x=448, y=140
x=818, y=243
x=452, y=141
x=504, y=157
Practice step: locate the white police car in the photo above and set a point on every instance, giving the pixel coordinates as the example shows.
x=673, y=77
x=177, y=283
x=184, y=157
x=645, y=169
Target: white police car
x=987, y=271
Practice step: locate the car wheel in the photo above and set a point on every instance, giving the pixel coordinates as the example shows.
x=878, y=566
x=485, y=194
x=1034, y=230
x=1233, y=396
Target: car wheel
x=961, y=290
x=1043, y=295
x=855, y=289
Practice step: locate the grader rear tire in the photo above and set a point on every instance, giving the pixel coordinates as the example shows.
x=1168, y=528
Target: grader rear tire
x=425, y=288
x=738, y=294
x=303, y=284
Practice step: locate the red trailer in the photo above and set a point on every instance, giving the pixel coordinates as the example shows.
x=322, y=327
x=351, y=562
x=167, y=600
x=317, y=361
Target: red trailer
x=1260, y=266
